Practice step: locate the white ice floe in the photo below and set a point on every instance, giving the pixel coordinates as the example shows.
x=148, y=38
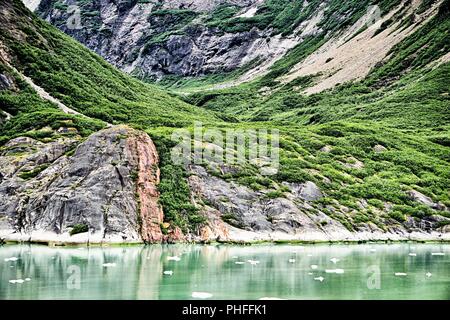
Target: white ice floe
x=428, y=274
x=174, y=258
x=168, y=272
x=17, y=281
x=11, y=259
x=27, y=279
x=334, y=260
x=201, y=295
x=400, y=274
x=314, y=266
x=339, y=271
x=109, y=264
x=373, y=250
x=412, y=254
x=310, y=273
x=239, y=262
x=253, y=262
x=291, y=260
x=234, y=257
x=437, y=254
x=319, y=279
x=271, y=298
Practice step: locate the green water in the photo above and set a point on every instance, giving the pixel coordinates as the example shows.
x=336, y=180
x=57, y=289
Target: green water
x=138, y=272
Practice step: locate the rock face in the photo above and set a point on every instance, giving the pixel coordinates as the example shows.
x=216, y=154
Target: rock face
x=106, y=188
x=153, y=39
x=238, y=213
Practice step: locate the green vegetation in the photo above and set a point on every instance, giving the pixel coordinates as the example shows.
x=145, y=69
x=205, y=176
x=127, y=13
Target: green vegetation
x=33, y=173
x=79, y=228
x=403, y=106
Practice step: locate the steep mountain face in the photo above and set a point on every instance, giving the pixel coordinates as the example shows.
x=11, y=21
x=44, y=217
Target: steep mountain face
x=173, y=39
x=368, y=159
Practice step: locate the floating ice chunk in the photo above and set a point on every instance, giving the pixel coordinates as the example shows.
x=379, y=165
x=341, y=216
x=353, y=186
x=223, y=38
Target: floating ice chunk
x=271, y=298
x=310, y=273
x=428, y=274
x=109, y=264
x=17, y=281
x=319, y=279
x=239, y=262
x=234, y=257
x=291, y=260
x=309, y=255
x=314, y=266
x=438, y=254
x=412, y=254
x=168, y=272
x=253, y=262
x=334, y=271
x=174, y=258
x=400, y=274
x=27, y=279
x=373, y=250
x=11, y=259
x=334, y=260
x=201, y=295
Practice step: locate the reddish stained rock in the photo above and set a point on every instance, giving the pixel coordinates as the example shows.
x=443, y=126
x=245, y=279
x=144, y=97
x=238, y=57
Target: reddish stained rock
x=145, y=157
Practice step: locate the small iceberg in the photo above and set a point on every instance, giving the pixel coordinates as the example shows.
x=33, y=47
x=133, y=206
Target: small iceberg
x=400, y=274
x=428, y=274
x=314, y=266
x=17, y=281
x=310, y=273
x=201, y=295
x=438, y=254
x=334, y=260
x=239, y=262
x=27, y=279
x=338, y=271
x=106, y=265
x=412, y=254
x=319, y=279
x=291, y=260
x=253, y=262
x=168, y=272
x=174, y=258
x=11, y=259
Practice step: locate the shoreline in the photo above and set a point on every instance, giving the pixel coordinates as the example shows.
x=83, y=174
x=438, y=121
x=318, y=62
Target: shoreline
x=234, y=237
x=230, y=242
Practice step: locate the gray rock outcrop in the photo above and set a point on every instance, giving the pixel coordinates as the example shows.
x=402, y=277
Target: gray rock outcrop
x=106, y=189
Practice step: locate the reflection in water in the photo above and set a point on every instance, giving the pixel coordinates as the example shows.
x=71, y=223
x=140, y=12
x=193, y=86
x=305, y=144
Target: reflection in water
x=283, y=271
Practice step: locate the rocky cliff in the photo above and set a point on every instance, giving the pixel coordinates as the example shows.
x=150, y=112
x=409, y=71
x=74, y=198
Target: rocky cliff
x=100, y=190
x=243, y=39
x=367, y=161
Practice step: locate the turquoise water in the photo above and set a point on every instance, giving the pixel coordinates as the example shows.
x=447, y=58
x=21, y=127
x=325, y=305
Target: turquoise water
x=224, y=272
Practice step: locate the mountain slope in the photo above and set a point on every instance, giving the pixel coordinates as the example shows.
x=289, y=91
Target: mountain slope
x=365, y=160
